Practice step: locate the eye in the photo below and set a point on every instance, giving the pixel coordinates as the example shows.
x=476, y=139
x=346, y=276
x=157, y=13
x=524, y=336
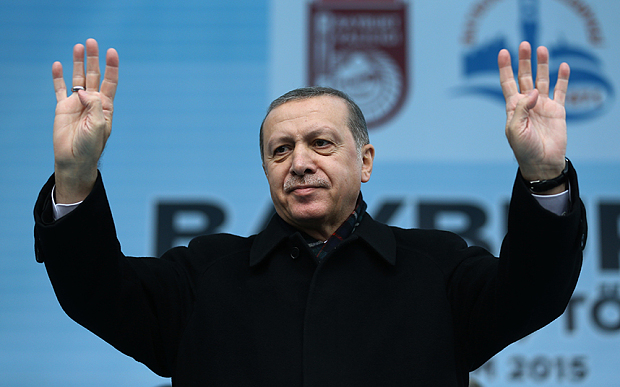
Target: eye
x=282, y=149
x=323, y=147
x=320, y=143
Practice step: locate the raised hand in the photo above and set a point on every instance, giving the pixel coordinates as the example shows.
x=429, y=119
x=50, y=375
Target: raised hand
x=535, y=123
x=83, y=121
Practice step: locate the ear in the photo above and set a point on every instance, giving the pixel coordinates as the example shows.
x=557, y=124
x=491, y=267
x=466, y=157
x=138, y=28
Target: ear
x=368, y=156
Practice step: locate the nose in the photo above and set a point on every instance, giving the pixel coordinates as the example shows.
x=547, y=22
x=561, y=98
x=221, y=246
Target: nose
x=302, y=161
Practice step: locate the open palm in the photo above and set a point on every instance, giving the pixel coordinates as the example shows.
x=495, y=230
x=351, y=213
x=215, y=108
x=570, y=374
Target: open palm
x=535, y=123
x=83, y=120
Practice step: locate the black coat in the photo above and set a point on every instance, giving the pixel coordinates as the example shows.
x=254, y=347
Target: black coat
x=389, y=307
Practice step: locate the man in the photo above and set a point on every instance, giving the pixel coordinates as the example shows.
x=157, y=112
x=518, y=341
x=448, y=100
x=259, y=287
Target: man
x=324, y=295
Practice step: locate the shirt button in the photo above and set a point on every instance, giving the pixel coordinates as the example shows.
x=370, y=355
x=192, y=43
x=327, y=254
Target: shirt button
x=294, y=252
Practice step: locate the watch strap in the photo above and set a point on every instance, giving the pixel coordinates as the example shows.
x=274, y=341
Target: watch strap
x=538, y=186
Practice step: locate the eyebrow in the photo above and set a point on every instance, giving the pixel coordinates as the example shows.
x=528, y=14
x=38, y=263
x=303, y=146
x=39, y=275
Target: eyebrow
x=312, y=133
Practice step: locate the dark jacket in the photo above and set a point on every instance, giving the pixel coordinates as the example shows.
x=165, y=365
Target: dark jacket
x=389, y=307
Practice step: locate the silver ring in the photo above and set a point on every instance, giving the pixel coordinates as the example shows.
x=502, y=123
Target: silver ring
x=74, y=89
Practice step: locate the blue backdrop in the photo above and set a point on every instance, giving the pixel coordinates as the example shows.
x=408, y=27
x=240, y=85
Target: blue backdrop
x=195, y=79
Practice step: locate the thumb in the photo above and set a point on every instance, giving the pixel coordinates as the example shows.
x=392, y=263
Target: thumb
x=93, y=106
x=522, y=110
x=88, y=100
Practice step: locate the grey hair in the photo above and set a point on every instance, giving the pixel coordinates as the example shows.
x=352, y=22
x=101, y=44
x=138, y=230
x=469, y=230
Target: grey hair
x=356, y=121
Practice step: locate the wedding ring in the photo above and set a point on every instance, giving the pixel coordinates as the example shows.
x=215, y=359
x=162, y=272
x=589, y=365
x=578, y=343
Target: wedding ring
x=74, y=89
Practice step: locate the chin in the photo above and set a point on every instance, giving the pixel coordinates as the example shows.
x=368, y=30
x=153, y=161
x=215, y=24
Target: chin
x=308, y=215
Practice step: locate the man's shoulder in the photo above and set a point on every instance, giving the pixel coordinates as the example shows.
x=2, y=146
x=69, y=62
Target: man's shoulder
x=413, y=245
x=204, y=251
x=221, y=244
x=429, y=242
x=418, y=238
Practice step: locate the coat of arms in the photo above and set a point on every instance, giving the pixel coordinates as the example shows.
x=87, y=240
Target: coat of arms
x=359, y=47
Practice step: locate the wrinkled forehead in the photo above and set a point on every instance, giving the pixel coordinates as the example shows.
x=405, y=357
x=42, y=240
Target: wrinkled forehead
x=308, y=113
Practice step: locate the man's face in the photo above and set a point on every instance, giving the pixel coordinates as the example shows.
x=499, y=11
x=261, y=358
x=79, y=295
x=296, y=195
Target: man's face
x=312, y=164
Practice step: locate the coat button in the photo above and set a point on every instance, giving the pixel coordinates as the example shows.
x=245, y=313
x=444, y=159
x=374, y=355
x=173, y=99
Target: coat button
x=294, y=252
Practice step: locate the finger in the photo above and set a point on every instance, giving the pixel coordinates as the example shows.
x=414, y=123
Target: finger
x=522, y=110
x=526, y=83
x=78, y=65
x=561, y=86
x=110, y=78
x=506, y=75
x=93, y=75
x=542, y=72
x=59, y=82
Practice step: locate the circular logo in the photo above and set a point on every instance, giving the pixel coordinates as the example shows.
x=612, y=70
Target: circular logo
x=372, y=78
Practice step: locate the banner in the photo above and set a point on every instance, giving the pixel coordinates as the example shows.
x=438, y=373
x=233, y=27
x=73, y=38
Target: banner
x=183, y=159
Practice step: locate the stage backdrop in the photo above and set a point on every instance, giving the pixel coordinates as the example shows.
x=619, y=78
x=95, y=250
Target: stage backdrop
x=195, y=79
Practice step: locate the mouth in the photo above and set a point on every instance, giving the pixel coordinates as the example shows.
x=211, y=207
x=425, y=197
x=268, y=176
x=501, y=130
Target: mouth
x=302, y=189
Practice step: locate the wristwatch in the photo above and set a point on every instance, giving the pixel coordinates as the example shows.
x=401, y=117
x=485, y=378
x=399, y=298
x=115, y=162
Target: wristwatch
x=538, y=186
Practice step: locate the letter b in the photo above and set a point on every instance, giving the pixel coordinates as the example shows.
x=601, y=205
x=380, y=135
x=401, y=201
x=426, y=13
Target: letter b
x=177, y=223
x=472, y=219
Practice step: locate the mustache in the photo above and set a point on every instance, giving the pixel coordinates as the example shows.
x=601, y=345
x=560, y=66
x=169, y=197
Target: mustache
x=295, y=182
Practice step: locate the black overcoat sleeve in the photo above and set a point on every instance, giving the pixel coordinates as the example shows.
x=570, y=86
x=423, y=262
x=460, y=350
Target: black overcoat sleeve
x=128, y=302
x=497, y=302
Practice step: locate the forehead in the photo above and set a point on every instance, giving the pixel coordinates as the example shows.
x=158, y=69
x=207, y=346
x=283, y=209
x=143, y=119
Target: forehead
x=326, y=111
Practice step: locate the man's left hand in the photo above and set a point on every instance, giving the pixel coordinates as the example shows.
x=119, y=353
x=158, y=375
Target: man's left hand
x=535, y=123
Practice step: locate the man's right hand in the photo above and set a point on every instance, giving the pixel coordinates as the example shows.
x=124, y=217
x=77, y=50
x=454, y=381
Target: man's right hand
x=83, y=121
